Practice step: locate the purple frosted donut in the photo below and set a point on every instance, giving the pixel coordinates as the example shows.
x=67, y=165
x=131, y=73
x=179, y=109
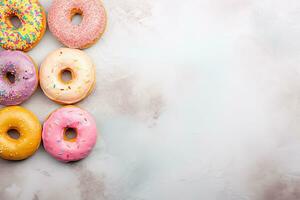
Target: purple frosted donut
x=18, y=77
x=84, y=34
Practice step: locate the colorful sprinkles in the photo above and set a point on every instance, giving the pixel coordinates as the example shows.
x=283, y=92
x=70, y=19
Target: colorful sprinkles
x=33, y=23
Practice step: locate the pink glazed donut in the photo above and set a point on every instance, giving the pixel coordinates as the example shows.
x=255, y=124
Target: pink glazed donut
x=55, y=140
x=84, y=34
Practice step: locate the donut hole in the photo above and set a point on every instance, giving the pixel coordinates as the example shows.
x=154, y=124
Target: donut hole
x=15, y=21
x=11, y=77
x=66, y=75
x=13, y=133
x=76, y=16
x=70, y=134
x=77, y=19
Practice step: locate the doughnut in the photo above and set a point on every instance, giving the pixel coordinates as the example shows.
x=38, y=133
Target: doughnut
x=29, y=128
x=33, y=24
x=82, y=72
x=63, y=148
x=18, y=77
x=84, y=34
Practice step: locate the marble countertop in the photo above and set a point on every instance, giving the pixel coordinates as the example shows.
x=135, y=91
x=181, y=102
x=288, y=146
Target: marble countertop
x=194, y=100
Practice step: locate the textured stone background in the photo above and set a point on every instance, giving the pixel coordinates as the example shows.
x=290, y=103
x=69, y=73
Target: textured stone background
x=195, y=99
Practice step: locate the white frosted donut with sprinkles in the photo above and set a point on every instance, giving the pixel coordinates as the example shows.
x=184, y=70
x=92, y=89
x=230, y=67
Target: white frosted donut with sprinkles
x=81, y=69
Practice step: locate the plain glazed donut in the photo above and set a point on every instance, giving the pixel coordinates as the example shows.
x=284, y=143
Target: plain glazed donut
x=84, y=34
x=33, y=24
x=22, y=69
x=29, y=128
x=82, y=71
x=55, y=141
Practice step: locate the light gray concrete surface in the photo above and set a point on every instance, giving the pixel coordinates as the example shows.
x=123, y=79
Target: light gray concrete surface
x=195, y=99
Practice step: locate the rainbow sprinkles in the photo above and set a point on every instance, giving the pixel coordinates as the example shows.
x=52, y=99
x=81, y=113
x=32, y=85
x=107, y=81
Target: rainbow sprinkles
x=33, y=24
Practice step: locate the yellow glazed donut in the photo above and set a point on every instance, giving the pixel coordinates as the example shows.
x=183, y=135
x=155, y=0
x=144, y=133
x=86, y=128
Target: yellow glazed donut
x=33, y=24
x=82, y=72
x=29, y=128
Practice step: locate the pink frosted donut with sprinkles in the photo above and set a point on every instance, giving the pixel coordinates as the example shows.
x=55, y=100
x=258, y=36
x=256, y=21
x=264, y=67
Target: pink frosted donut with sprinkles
x=63, y=123
x=81, y=35
x=32, y=24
